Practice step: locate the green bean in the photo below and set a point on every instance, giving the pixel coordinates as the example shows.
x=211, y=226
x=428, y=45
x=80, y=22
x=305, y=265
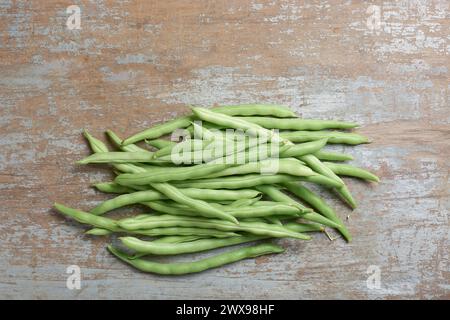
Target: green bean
x=87, y=218
x=304, y=148
x=244, y=202
x=183, y=122
x=275, y=209
x=349, y=170
x=290, y=166
x=118, y=157
x=304, y=227
x=127, y=199
x=193, y=233
x=150, y=247
x=237, y=182
x=333, y=137
x=274, y=220
x=298, y=124
x=320, y=205
x=256, y=109
x=160, y=143
x=200, y=265
x=111, y=187
x=98, y=232
x=332, y=156
x=95, y=144
x=117, y=141
x=159, y=130
x=177, y=239
x=164, y=221
x=188, y=145
x=278, y=195
x=322, y=180
x=319, y=167
x=235, y=122
x=180, y=231
x=203, y=208
x=163, y=175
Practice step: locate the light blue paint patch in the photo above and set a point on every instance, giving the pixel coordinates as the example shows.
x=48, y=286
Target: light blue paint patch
x=6, y=4
x=136, y=58
x=122, y=76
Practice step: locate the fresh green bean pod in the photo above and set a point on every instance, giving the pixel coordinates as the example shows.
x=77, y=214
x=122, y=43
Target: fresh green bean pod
x=304, y=148
x=174, y=174
x=303, y=227
x=319, y=204
x=322, y=180
x=160, y=143
x=192, y=233
x=159, y=130
x=88, y=218
x=319, y=167
x=352, y=171
x=95, y=144
x=332, y=136
x=111, y=187
x=235, y=123
x=117, y=141
x=118, y=157
x=165, y=221
x=298, y=124
x=332, y=156
x=186, y=146
x=278, y=195
x=289, y=166
x=158, y=248
x=275, y=209
x=197, y=266
x=203, y=208
x=236, y=182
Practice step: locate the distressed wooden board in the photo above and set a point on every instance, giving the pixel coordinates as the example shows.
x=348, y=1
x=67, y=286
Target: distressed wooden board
x=135, y=63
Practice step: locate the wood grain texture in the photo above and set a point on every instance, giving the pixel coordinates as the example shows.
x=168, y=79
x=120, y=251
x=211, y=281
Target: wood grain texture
x=135, y=63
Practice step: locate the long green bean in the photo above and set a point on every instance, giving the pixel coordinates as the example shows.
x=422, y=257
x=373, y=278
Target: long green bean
x=298, y=124
x=319, y=204
x=197, y=266
x=332, y=136
x=352, y=171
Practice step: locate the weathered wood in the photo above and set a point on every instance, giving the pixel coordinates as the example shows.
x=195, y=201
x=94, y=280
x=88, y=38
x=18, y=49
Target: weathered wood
x=136, y=63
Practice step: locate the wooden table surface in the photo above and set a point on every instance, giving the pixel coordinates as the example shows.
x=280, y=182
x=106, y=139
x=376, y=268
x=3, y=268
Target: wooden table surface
x=135, y=63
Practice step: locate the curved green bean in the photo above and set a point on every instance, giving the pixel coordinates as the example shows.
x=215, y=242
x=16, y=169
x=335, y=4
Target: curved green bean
x=158, y=248
x=332, y=136
x=203, y=208
x=319, y=167
x=289, y=166
x=87, y=218
x=237, y=182
x=298, y=124
x=197, y=266
x=163, y=175
x=111, y=187
x=160, y=143
x=298, y=150
x=165, y=221
x=319, y=204
x=352, y=171
x=332, y=156
x=278, y=195
x=117, y=141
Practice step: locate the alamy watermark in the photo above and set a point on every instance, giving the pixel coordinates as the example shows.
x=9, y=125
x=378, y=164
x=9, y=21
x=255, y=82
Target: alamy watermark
x=373, y=281
x=74, y=20
x=73, y=281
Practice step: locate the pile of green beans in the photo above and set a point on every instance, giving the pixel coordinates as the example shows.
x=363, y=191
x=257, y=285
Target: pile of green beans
x=243, y=179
